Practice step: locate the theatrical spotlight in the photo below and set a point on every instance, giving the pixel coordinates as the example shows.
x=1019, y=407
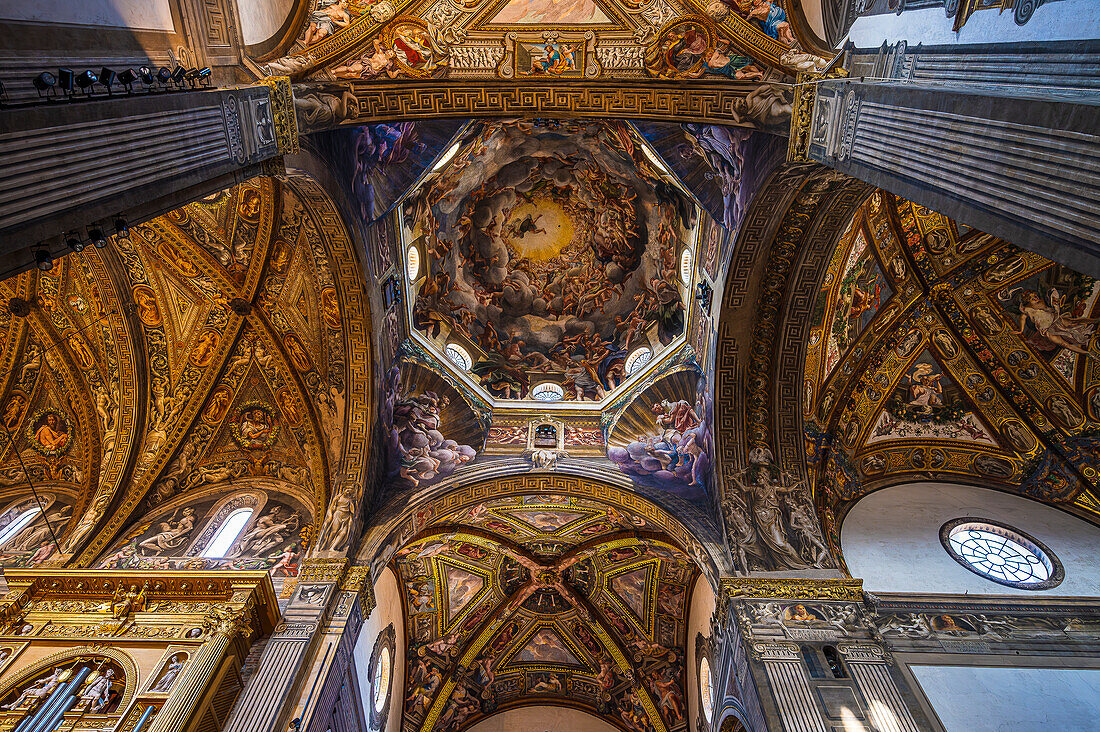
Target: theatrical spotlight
x=146, y=75
x=44, y=83
x=43, y=259
x=65, y=79
x=164, y=76
x=178, y=76
x=203, y=75
x=107, y=78
x=86, y=80
x=121, y=229
x=95, y=236
x=127, y=79
x=74, y=242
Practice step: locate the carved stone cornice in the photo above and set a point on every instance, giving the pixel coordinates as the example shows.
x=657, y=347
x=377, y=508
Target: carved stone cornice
x=731, y=588
x=802, y=117
x=321, y=570
x=358, y=580
x=282, y=112
x=358, y=102
x=66, y=595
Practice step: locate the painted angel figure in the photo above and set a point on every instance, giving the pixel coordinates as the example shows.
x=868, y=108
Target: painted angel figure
x=1058, y=328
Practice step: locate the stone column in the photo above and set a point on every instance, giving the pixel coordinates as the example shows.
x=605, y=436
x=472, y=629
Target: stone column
x=224, y=624
x=66, y=168
x=287, y=667
x=886, y=709
x=790, y=686
x=1018, y=162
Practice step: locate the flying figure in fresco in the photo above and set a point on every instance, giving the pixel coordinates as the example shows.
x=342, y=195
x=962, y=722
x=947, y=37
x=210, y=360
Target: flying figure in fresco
x=1058, y=328
x=526, y=226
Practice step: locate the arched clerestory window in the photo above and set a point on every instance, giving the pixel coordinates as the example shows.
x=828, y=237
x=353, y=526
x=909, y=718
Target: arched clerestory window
x=17, y=524
x=227, y=534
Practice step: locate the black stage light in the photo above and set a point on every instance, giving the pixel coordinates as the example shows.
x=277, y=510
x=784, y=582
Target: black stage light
x=107, y=78
x=44, y=83
x=127, y=79
x=204, y=75
x=146, y=75
x=178, y=75
x=86, y=80
x=65, y=81
x=74, y=242
x=164, y=75
x=95, y=236
x=121, y=229
x=43, y=259
x=192, y=75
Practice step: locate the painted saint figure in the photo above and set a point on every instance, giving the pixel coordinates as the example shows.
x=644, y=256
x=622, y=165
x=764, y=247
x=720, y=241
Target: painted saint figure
x=1060, y=329
x=52, y=434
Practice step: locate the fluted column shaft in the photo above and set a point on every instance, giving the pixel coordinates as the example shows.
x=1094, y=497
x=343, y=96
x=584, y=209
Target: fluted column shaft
x=224, y=625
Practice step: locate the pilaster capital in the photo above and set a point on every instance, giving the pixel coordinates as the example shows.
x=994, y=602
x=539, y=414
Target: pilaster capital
x=229, y=622
x=282, y=112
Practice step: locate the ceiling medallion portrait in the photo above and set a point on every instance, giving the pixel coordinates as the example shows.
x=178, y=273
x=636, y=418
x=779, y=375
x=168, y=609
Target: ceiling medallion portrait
x=553, y=250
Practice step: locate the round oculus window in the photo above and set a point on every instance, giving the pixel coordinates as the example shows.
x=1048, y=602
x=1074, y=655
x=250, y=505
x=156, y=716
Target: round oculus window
x=638, y=359
x=381, y=682
x=459, y=356
x=1001, y=554
x=685, y=266
x=706, y=690
x=548, y=392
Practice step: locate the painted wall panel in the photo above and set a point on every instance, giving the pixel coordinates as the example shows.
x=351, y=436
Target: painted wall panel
x=137, y=14
x=891, y=540
x=984, y=699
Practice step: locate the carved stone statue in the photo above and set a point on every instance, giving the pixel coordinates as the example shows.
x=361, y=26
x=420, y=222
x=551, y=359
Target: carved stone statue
x=98, y=691
x=164, y=683
x=337, y=529
x=37, y=691
x=768, y=517
x=127, y=601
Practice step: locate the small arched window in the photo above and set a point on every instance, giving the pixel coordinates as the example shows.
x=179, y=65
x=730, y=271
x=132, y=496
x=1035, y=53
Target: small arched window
x=813, y=663
x=18, y=524
x=835, y=664
x=228, y=533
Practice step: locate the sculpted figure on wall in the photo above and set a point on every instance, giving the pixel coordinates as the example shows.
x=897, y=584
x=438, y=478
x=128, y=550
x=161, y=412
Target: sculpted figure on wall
x=769, y=520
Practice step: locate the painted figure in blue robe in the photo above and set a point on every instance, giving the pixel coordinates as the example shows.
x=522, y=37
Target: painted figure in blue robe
x=772, y=19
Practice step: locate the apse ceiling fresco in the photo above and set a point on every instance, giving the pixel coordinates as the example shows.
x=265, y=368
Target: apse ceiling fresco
x=581, y=39
x=546, y=597
x=197, y=367
x=550, y=251
x=941, y=352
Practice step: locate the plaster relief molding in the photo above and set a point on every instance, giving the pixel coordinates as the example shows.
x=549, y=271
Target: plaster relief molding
x=290, y=631
x=862, y=653
x=793, y=588
x=282, y=110
x=776, y=651
x=321, y=570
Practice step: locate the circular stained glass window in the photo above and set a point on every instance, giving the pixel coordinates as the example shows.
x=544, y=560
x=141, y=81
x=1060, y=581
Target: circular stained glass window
x=381, y=681
x=685, y=266
x=637, y=359
x=459, y=356
x=547, y=392
x=706, y=691
x=1001, y=554
x=412, y=263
